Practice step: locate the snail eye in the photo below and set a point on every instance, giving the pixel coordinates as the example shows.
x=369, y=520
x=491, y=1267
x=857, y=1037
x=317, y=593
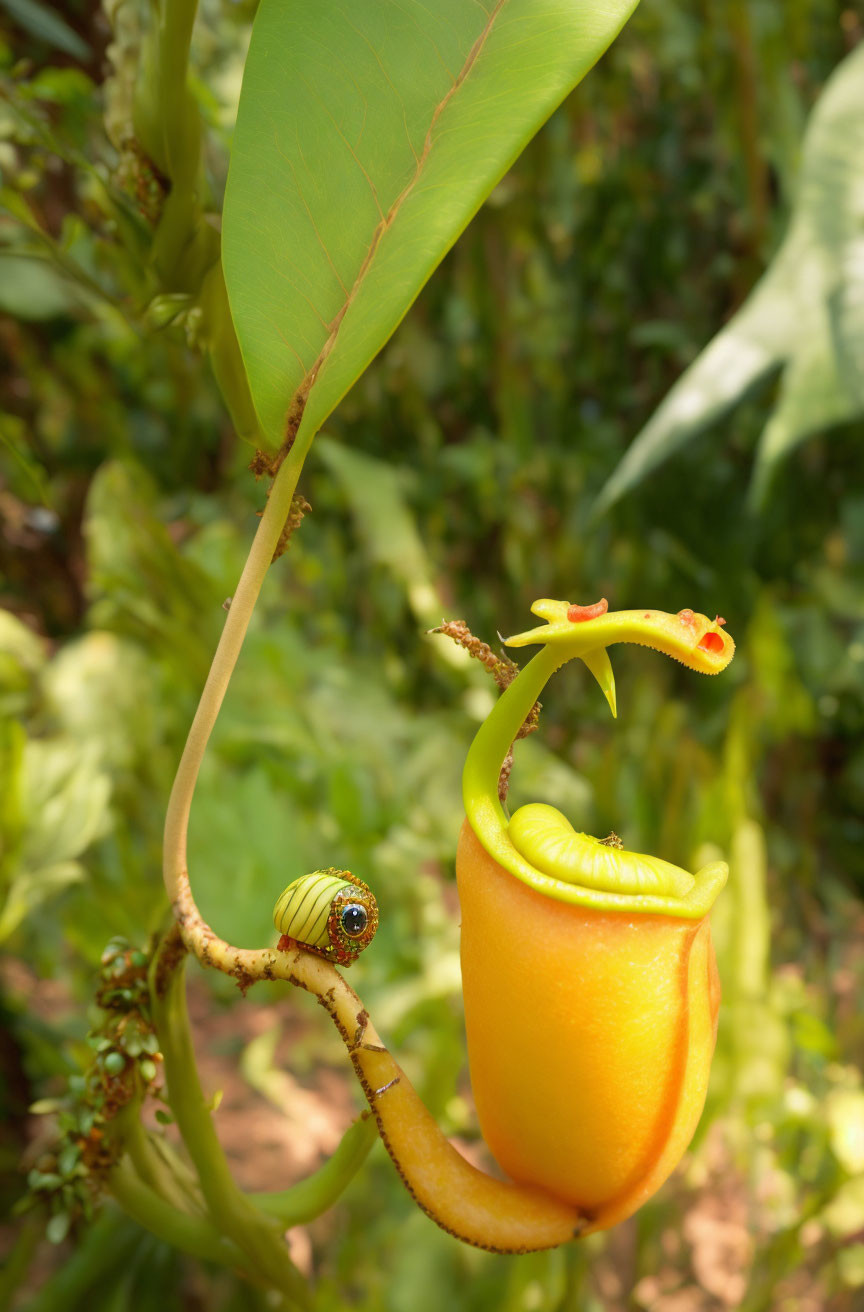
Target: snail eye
x=354, y=919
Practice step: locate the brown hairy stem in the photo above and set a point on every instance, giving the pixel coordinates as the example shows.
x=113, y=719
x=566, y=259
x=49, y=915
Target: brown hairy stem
x=503, y=671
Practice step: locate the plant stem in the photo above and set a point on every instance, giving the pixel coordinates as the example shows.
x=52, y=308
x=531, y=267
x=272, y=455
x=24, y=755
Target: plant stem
x=184, y=1177
x=309, y=1198
x=195, y=932
x=14, y=1269
x=234, y=1214
x=191, y=1234
x=100, y=1259
x=178, y=133
x=150, y=1169
x=175, y=23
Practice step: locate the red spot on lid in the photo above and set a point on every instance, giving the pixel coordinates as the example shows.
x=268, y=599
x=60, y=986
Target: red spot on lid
x=712, y=641
x=577, y=614
x=718, y=619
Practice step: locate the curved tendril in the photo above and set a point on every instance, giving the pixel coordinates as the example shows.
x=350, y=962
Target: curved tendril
x=492, y=743
x=477, y=1208
x=688, y=637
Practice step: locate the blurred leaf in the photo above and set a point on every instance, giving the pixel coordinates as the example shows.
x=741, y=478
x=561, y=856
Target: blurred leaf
x=47, y=26
x=69, y=257
x=753, y=344
x=27, y=472
x=844, y=1215
x=21, y=660
x=141, y=586
x=846, y=307
x=785, y=704
x=32, y=289
x=12, y=814
x=813, y=396
x=845, y=1114
x=101, y=691
x=66, y=799
x=374, y=492
x=367, y=137
x=807, y=312
x=58, y=1227
x=60, y=806
x=246, y=865
x=69, y=1158
x=258, y=1066
x=850, y=1263
x=753, y=922
x=813, y=1035
x=31, y=888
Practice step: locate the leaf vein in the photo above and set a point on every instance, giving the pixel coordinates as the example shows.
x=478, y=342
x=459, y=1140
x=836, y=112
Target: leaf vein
x=386, y=222
x=305, y=203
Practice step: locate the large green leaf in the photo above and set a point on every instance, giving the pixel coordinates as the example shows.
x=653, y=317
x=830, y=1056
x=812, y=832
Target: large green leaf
x=813, y=397
x=806, y=313
x=369, y=133
x=846, y=309
x=752, y=345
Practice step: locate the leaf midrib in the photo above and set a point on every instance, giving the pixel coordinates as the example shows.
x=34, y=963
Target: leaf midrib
x=301, y=395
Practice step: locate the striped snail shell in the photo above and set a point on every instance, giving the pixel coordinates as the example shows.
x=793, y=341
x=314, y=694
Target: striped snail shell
x=330, y=912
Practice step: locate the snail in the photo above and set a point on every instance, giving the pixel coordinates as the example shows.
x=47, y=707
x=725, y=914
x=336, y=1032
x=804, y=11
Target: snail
x=329, y=912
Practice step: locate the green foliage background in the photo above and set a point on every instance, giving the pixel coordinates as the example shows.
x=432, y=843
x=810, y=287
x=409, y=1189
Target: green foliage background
x=458, y=478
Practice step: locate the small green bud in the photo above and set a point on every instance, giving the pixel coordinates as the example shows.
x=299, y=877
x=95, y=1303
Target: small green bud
x=58, y=1227
x=114, y=1063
